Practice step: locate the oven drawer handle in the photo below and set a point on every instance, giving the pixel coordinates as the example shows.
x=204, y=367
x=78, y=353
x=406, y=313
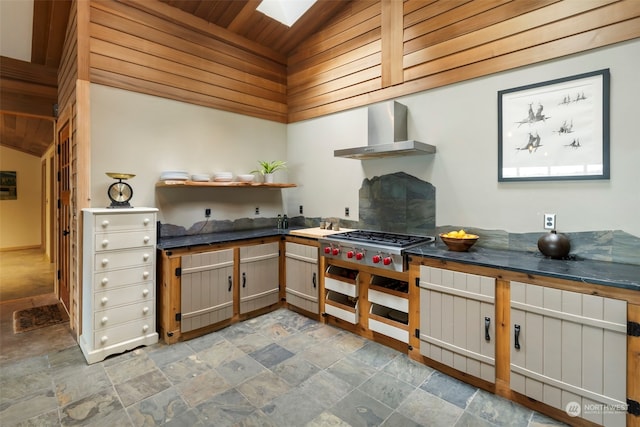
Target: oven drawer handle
x=244, y=279
x=313, y=280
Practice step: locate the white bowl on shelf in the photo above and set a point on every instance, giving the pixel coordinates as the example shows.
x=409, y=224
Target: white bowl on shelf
x=223, y=176
x=200, y=177
x=174, y=176
x=246, y=177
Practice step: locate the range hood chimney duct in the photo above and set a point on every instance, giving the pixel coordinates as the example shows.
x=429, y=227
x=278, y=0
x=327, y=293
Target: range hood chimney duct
x=387, y=135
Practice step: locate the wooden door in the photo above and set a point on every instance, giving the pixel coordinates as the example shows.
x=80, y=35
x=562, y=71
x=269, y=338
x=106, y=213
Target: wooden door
x=63, y=259
x=206, y=293
x=457, y=320
x=302, y=276
x=259, y=276
x=570, y=347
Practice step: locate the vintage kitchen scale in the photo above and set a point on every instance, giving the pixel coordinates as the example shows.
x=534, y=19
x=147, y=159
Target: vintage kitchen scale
x=120, y=192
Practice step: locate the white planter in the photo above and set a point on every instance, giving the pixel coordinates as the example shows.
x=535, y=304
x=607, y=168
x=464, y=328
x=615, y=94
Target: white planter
x=268, y=178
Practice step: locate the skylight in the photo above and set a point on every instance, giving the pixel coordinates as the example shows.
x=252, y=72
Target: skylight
x=285, y=11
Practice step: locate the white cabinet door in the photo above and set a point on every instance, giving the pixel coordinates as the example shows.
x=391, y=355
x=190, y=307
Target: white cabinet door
x=302, y=276
x=570, y=347
x=457, y=320
x=206, y=291
x=259, y=276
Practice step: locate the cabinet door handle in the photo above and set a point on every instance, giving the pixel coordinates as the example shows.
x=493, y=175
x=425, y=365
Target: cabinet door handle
x=244, y=279
x=230, y=283
x=487, y=322
x=313, y=279
x=516, y=337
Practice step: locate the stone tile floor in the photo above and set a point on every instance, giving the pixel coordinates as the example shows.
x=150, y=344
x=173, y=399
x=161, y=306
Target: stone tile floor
x=280, y=369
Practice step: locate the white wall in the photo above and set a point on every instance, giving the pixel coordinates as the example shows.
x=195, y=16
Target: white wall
x=461, y=120
x=20, y=219
x=145, y=135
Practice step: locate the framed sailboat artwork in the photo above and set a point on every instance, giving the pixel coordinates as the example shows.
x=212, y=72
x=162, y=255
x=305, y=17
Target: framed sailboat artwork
x=555, y=130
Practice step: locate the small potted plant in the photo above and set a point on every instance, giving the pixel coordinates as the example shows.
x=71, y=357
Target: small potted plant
x=268, y=168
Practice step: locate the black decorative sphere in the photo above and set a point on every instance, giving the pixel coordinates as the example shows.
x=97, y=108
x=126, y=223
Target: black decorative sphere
x=554, y=245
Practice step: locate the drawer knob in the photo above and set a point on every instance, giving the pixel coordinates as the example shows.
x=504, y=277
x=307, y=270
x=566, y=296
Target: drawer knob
x=146, y=239
x=145, y=274
x=104, y=320
x=104, y=281
x=145, y=328
x=145, y=292
x=104, y=300
x=105, y=261
x=103, y=339
x=145, y=257
x=146, y=221
x=105, y=223
x=145, y=310
x=105, y=243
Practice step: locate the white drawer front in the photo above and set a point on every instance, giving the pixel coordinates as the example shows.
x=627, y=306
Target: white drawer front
x=123, y=259
x=123, y=332
x=117, y=222
x=125, y=295
x=388, y=300
x=124, y=313
x=388, y=330
x=124, y=240
x=113, y=278
x=341, y=287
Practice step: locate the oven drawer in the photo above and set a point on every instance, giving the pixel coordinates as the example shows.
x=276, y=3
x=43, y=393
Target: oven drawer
x=389, y=322
x=388, y=300
x=341, y=306
x=350, y=289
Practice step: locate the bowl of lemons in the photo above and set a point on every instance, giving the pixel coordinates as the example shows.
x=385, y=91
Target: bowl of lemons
x=459, y=240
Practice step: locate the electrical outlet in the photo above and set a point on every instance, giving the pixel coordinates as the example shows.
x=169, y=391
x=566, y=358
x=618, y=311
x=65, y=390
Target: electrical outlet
x=207, y=213
x=549, y=221
x=301, y=210
x=257, y=210
x=346, y=211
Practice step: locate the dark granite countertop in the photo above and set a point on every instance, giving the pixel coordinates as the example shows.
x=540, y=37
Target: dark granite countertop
x=189, y=241
x=582, y=270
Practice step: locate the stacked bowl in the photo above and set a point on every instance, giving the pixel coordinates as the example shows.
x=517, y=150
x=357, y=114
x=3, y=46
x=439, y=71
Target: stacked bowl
x=174, y=176
x=223, y=176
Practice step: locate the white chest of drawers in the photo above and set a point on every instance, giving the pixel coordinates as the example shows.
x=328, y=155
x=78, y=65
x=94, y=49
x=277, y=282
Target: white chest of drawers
x=118, y=281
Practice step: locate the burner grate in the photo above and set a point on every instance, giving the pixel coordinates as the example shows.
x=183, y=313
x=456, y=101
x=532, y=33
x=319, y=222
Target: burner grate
x=382, y=238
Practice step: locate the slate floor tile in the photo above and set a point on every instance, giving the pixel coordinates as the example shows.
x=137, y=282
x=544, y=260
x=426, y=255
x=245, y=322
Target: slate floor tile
x=202, y=388
x=239, y=370
x=449, y=389
x=375, y=355
x=263, y=388
x=396, y=419
x=271, y=355
x=29, y=406
x=499, y=411
x=132, y=366
x=327, y=419
x=164, y=354
x=220, y=353
x=326, y=388
x=358, y=409
x=102, y=408
x=72, y=385
x=158, y=409
x=295, y=370
x=141, y=387
x=352, y=371
x=387, y=389
x=225, y=409
x=427, y=409
x=185, y=369
x=408, y=370
x=293, y=409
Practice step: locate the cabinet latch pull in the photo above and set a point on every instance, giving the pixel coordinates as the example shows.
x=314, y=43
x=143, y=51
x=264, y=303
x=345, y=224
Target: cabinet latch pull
x=244, y=279
x=313, y=279
x=516, y=337
x=487, y=322
x=230, y=283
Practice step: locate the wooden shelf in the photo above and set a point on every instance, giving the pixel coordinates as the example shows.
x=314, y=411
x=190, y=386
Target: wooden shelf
x=222, y=184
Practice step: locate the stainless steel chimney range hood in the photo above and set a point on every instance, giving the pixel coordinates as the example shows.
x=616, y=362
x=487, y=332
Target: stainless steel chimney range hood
x=387, y=135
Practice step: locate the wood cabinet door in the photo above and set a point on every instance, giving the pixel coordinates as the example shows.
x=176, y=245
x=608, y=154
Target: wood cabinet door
x=570, y=347
x=206, y=293
x=259, y=276
x=457, y=320
x=302, y=276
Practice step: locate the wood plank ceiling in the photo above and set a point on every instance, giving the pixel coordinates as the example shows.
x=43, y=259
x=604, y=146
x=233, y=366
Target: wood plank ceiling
x=28, y=90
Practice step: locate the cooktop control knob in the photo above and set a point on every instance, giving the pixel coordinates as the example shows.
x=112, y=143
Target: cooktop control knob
x=376, y=259
x=327, y=250
x=387, y=260
x=335, y=251
x=359, y=256
x=350, y=254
